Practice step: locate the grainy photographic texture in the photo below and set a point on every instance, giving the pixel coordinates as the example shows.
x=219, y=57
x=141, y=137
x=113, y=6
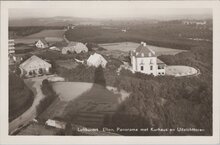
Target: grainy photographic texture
x=110, y=69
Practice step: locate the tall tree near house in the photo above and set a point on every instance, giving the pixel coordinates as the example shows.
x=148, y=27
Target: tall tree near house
x=99, y=77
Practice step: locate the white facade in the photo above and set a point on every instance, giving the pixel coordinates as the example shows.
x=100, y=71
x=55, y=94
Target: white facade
x=41, y=44
x=145, y=61
x=96, y=60
x=77, y=47
x=34, y=66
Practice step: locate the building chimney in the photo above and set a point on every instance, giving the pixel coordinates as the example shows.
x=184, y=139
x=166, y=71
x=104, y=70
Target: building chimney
x=144, y=44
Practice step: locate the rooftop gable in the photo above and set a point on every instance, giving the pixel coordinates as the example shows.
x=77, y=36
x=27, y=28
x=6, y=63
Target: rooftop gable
x=32, y=59
x=143, y=51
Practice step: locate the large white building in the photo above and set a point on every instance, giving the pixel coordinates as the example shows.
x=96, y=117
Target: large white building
x=34, y=66
x=144, y=60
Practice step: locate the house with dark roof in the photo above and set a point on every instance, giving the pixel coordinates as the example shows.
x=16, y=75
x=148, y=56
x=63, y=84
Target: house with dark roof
x=42, y=43
x=144, y=60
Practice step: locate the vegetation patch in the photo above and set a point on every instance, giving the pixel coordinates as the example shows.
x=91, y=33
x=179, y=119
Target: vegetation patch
x=20, y=97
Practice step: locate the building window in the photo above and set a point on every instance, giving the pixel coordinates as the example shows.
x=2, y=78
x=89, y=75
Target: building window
x=151, y=67
x=151, y=61
x=142, y=68
x=160, y=67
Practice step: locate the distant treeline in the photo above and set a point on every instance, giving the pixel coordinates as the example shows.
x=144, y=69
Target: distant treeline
x=173, y=35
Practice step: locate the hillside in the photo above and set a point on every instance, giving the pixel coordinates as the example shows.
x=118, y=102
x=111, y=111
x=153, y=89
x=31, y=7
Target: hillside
x=20, y=97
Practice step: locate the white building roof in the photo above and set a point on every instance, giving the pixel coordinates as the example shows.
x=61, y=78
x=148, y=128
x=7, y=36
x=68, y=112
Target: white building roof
x=96, y=60
x=33, y=59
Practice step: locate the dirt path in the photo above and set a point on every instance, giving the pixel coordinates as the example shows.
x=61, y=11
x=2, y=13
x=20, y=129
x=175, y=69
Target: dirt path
x=35, y=85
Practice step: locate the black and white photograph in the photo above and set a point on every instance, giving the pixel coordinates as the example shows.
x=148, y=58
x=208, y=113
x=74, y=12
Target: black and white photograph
x=101, y=68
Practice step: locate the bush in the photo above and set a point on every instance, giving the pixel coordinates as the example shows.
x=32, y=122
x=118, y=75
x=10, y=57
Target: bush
x=50, y=96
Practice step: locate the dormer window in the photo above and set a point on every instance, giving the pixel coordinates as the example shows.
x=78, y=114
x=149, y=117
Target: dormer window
x=142, y=54
x=149, y=54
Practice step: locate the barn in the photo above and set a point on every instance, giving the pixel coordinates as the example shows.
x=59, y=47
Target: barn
x=34, y=66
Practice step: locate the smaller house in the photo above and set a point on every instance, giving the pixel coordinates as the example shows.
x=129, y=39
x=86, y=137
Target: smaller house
x=76, y=47
x=96, y=60
x=56, y=124
x=42, y=43
x=34, y=66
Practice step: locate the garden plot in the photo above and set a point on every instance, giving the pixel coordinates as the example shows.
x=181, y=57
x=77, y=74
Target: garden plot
x=178, y=71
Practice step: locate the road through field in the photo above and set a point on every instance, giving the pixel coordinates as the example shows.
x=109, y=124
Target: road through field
x=35, y=85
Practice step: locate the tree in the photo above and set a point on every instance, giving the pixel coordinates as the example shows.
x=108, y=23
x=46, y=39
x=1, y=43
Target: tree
x=99, y=77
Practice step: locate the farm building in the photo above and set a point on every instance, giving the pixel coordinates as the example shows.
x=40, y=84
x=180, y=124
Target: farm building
x=34, y=66
x=42, y=43
x=145, y=61
x=96, y=60
x=72, y=47
x=56, y=124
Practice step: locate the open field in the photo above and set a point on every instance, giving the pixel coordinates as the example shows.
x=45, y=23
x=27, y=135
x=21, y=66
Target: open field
x=177, y=70
x=49, y=35
x=68, y=64
x=83, y=103
x=68, y=90
x=128, y=46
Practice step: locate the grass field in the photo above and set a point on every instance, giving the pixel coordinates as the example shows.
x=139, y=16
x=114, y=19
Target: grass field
x=128, y=46
x=83, y=103
x=68, y=64
x=177, y=70
x=49, y=35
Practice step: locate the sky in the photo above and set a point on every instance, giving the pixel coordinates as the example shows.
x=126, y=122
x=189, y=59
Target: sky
x=97, y=9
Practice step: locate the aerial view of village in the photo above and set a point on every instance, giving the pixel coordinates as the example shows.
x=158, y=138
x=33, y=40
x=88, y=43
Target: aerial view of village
x=93, y=73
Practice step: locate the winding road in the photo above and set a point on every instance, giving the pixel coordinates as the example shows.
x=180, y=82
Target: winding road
x=35, y=85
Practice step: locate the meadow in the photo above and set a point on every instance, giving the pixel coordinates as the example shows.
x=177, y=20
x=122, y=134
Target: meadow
x=129, y=46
